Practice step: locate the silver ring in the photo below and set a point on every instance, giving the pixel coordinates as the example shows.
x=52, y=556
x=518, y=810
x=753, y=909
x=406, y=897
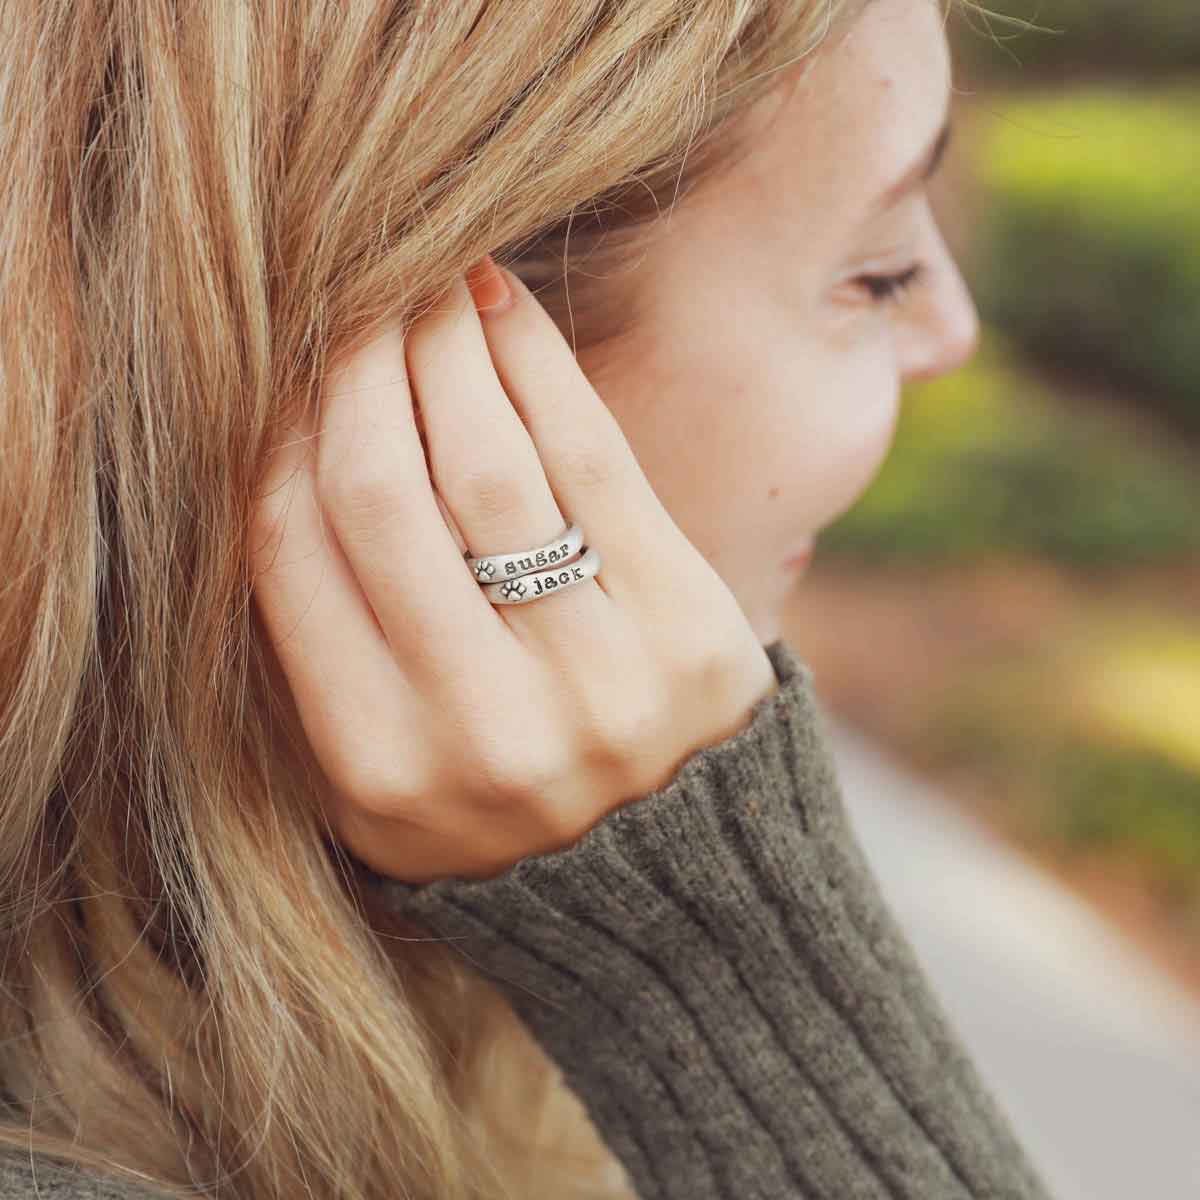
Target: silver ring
x=495, y=568
x=537, y=584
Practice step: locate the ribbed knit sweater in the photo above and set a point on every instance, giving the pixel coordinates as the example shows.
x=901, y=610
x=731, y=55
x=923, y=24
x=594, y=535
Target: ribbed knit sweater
x=715, y=971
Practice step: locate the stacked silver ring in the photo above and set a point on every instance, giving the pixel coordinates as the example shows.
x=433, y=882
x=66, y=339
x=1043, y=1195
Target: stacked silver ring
x=528, y=575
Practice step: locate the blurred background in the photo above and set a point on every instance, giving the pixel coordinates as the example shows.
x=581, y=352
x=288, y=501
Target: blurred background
x=1012, y=612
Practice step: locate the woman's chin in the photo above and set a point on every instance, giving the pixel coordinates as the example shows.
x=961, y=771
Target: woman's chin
x=767, y=628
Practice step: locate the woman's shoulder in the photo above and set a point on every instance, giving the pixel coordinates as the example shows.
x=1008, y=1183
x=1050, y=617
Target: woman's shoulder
x=39, y=1177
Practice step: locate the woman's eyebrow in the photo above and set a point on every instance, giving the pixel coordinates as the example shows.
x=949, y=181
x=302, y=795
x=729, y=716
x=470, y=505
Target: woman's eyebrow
x=918, y=173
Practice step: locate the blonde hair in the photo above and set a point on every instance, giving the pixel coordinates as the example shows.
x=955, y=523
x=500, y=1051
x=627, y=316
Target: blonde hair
x=211, y=201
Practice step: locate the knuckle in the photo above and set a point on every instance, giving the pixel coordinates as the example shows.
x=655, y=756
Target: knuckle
x=589, y=464
x=511, y=773
x=621, y=736
x=364, y=492
x=487, y=491
x=699, y=662
x=721, y=666
x=377, y=789
x=525, y=793
x=622, y=726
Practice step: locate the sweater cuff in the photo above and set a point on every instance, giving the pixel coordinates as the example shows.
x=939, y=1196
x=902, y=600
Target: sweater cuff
x=652, y=834
x=715, y=971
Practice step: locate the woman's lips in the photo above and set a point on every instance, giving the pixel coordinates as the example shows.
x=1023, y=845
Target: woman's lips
x=801, y=559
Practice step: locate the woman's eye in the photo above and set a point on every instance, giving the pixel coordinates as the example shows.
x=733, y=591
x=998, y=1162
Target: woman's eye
x=891, y=288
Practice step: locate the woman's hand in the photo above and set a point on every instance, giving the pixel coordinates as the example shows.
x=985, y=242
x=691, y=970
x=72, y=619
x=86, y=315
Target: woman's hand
x=459, y=737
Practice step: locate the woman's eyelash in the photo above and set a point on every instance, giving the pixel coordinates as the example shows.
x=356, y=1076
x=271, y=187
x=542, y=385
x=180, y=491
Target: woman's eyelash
x=884, y=288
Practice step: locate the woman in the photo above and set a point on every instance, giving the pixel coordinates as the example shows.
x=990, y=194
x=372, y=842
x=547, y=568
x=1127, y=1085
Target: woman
x=332, y=869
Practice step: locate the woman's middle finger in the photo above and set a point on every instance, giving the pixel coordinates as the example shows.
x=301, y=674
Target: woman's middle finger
x=485, y=466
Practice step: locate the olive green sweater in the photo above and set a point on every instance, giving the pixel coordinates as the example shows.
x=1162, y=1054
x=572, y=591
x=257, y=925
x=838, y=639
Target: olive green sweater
x=716, y=972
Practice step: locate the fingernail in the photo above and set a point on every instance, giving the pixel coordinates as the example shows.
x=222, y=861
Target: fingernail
x=488, y=286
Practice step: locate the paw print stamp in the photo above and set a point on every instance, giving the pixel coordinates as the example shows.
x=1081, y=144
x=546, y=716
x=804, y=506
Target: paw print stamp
x=484, y=570
x=514, y=587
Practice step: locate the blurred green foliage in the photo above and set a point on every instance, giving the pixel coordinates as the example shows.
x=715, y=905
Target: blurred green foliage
x=1037, y=730
x=1079, y=792
x=1095, y=794
x=1110, y=35
x=986, y=462
x=1088, y=248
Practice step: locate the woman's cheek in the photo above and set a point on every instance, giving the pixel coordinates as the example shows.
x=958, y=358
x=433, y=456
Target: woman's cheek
x=860, y=427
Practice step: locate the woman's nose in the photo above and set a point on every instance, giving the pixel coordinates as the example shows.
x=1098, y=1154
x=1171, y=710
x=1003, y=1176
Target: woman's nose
x=943, y=333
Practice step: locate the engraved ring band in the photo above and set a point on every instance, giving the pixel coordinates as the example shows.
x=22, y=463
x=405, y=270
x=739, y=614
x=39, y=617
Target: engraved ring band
x=528, y=575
